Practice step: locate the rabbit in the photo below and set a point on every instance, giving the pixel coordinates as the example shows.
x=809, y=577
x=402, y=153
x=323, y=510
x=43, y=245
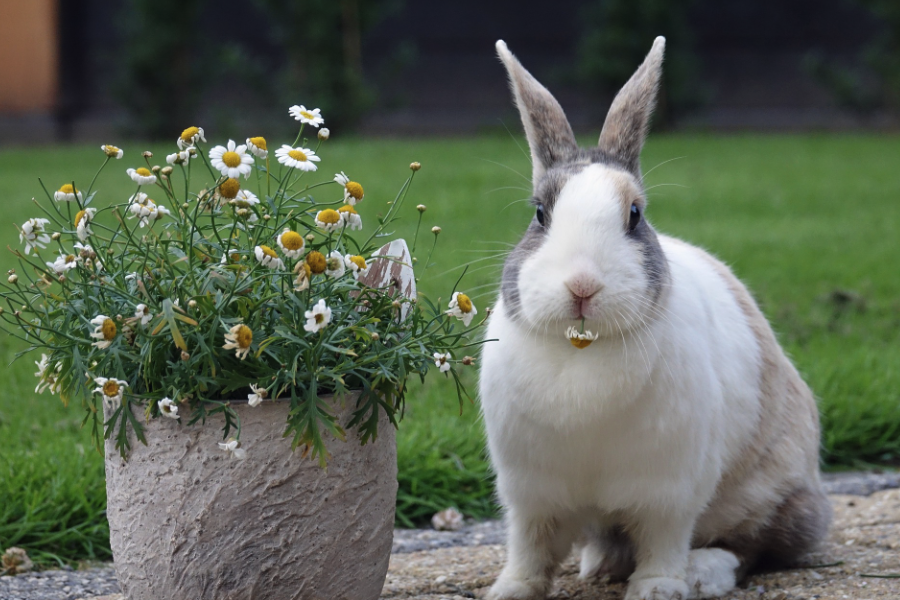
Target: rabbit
x=671, y=441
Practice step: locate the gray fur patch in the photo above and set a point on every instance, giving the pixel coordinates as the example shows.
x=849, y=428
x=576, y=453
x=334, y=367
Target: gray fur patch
x=656, y=266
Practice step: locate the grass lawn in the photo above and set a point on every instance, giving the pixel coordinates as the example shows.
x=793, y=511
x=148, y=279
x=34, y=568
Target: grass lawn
x=810, y=222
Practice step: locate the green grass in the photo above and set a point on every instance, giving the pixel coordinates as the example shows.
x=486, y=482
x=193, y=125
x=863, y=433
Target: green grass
x=810, y=223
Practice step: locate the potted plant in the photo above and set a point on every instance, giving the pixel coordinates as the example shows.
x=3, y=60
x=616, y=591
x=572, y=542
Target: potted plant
x=241, y=352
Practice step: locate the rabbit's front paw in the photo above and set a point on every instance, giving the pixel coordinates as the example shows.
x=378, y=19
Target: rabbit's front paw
x=657, y=588
x=507, y=588
x=711, y=572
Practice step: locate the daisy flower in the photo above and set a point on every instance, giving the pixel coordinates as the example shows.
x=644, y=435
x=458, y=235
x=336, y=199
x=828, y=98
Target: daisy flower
x=145, y=209
x=357, y=265
x=297, y=158
x=67, y=193
x=580, y=340
x=316, y=262
x=63, y=263
x=231, y=161
x=239, y=339
x=34, y=234
x=334, y=264
x=189, y=137
x=47, y=375
x=353, y=191
x=302, y=114
x=329, y=219
x=291, y=243
x=112, y=389
x=104, y=331
x=244, y=199
x=258, y=394
x=318, y=317
x=83, y=223
x=234, y=447
x=111, y=151
x=257, y=147
x=180, y=158
x=85, y=251
x=462, y=308
x=168, y=407
x=142, y=312
x=350, y=217
x=268, y=258
x=142, y=176
x=324, y=133
x=304, y=272
x=442, y=361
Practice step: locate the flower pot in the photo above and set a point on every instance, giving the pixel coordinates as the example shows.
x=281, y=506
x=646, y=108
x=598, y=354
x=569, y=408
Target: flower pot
x=189, y=522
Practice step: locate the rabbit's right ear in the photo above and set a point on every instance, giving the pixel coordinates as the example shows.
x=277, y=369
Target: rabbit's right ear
x=549, y=134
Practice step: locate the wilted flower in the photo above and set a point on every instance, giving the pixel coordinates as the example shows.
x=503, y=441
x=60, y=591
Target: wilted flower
x=581, y=339
x=442, y=361
x=268, y=258
x=303, y=272
x=142, y=176
x=112, y=389
x=233, y=446
x=239, y=339
x=257, y=395
x=83, y=223
x=145, y=209
x=334, y=264
x=316, y=261
x=180, y=158
x=257, y=147
x=111, y=151
x=357, y=265
x=353, y=191
x=63, y=263
x=318, y=317
x=67, y=193
x=142, y=312
x=350, y=217
x=448, y=519
x=33, y=233
x=168, y=407
x=104, y=331
x=462, y=308
x=190, y=136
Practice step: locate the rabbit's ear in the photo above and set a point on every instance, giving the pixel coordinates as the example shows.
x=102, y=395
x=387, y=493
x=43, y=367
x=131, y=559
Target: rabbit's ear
x=626, y=124
x=548, y=131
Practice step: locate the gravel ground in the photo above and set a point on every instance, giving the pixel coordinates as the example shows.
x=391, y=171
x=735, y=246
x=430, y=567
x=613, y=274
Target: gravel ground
x=440, y=565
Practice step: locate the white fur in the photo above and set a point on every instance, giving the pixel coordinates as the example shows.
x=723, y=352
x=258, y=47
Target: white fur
x=711, y=572
x=640, y=425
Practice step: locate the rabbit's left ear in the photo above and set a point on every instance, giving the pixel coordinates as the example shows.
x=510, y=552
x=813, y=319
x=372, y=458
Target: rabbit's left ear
x=549, y=134
x=628, y=120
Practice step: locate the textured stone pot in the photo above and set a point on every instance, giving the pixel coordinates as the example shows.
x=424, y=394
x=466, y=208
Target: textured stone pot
x=188, y=522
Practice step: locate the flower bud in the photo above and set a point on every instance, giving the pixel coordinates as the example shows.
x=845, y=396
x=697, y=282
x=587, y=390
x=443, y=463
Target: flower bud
x=435, y=230
x=56, y=235
x=13, y=278
x=421, y=208
x=192, y=303
x=266, y=217
x=156, y=168
x=375, y=336
x=324, y=133
x=185, y=355
x=147, y=154
x=395, y=304
x=166, y=171
x=468, y=360
x=415, y=166
x=311, y=237
x=62, y=278
x=185, y=206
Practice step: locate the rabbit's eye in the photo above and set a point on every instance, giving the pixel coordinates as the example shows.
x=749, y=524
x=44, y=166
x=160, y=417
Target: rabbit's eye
x=635, y=217
x=540, y=214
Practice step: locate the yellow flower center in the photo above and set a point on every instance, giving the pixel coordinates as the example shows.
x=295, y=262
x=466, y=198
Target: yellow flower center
x=244, y=336
x=579, y=343
x=111, y=389
x=308, y=115
x=188, y=134
x=231, y=159
x=329, y=216
x=111, y=151
x=359, y=261
x=297, y=155
x=354, y=189
x=291, y=240
x=268, y=251
x=67, y=189
x=333, y=262
x=259, y=142
x=348, y=209
x=79, y=217
x=464, y=304
x=70, y=258
x=143, y=171
x=229, y=188
x=108, y=329
x=316, y=262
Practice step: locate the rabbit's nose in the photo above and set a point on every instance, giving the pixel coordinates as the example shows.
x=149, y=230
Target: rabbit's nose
x=583, y=286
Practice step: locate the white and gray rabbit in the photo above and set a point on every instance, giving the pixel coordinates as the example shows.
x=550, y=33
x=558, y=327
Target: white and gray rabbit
x=680, y=448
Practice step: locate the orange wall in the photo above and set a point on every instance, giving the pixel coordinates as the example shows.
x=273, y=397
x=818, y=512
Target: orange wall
x=28, y=49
